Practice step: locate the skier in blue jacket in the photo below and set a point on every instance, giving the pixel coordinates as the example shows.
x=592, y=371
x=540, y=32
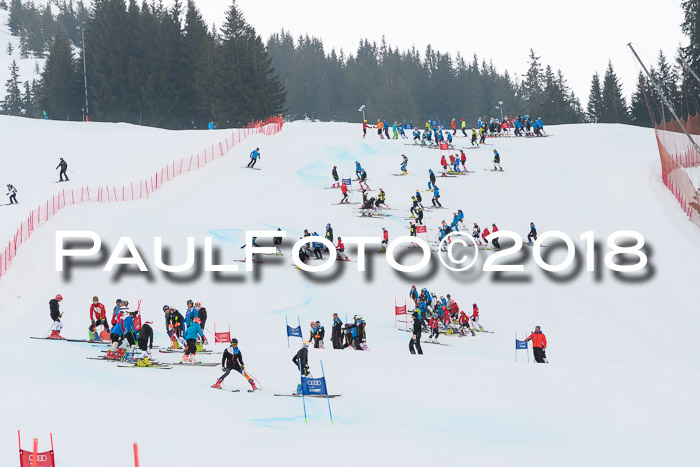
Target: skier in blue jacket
x=129, y=329
x=358, y=169
x=211, y=125
x=193, y=331
x=436, y=197
x=254, y=156
x=190, y=314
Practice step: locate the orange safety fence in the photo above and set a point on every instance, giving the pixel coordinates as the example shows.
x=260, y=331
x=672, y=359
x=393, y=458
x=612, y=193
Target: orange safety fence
x=678, y=154
x=133, y=191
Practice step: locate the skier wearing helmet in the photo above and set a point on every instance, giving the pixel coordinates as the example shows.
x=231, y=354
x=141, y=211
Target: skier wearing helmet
x=381, y=199
x=301, y=359
x=56, y=314
x=334, y=173
x=232, y=359
x=98, y=317
x=193, y=331
x=475, y=317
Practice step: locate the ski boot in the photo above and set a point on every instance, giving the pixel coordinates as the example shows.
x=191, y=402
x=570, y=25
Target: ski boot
x=217, y=385
x=252, y=385
x=185, y=359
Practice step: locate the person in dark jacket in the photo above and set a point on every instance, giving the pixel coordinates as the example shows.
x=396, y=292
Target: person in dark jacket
x=55, y=314
x=64, y=168
x=232, y=359
x=177, y=323
x=145, y=342
x=415, y=339
x=301, y=359
x=336, y=333
x=317, y=334
x=202, y=315
x=532, y=234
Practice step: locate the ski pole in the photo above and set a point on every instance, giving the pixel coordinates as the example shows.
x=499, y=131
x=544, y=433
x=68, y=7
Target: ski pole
x=47, y=332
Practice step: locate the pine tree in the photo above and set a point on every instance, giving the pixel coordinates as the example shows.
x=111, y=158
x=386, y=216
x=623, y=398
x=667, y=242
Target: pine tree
x=15, y=19
x=23, y=45
x=3, y=5
x=691, y=53
x=639, y=111
x=28, y=101
x=613, y=105
x=533, y=86
x=246, y=86
x=10, y=49
x=61, y=81
x=595, y=101
x=199, y=50
x=12, y=105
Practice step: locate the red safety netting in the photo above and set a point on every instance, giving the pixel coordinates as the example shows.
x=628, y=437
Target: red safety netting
x=680, y=164
x=132, y=191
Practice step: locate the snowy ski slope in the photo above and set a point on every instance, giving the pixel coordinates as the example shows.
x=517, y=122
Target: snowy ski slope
x=621, y=388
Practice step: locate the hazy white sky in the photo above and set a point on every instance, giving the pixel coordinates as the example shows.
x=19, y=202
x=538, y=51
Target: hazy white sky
x=576, y=36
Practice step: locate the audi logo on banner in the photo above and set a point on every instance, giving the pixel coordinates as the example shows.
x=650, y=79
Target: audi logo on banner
x=314, y=383
x=39, y=457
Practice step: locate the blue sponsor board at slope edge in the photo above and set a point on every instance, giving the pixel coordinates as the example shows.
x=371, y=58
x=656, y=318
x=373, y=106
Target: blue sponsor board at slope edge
x=520, y=344
x=313, y=386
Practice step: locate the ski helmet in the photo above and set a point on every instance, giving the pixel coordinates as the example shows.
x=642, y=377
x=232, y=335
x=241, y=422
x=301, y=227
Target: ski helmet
x=234, y=341
x=304, y=344
x=474, y=305
x=197, y=304
x=59, y=297
x=119, y=300
x=166, y=307
x=359, y=318
x=197, y=320
x=95, y=299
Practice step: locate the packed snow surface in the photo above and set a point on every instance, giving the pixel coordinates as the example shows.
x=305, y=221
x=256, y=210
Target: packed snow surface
x=620, y=388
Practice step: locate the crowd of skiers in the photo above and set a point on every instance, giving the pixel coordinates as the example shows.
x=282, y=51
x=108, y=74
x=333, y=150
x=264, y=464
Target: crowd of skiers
x=343, y=335
x=521, y=125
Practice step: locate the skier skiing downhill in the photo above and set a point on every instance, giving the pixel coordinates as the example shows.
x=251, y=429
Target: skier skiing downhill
x=497, y=161
x=358, y=170
x=12, y=193
x=98, y=317
x=64, y=168
x=436, y=196
x=254, y=156
x=193, y=330
x=385, y=239
x=404, y=165
x=232, y=359
x=464, y=324
x=431, y=182
x=532, y=234
x=301, y=359
x=55, y=313
x=340, y=250
x=476, y=233
x=474, y=141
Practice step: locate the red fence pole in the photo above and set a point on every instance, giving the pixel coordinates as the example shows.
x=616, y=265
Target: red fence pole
x=136, y=455
x=36, y=445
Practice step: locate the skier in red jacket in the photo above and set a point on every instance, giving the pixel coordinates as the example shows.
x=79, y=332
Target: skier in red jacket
x=494, y=242
x=464, y=324
x=443, y=163
x=385, y=239
x=340, y=250
x=344, y=191
x=463, y=159
x=475, y=317
x=485, y=233
x=539, y=344
x=98, y=316
x=434, y=323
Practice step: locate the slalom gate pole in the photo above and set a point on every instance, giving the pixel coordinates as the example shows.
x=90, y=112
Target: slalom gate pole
x=136, y=455
x=302, y=391
x=527, y=351
x=328, y=399
x=286, y=329
x=299, y=322
x=36, y=446
x=47, y=332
